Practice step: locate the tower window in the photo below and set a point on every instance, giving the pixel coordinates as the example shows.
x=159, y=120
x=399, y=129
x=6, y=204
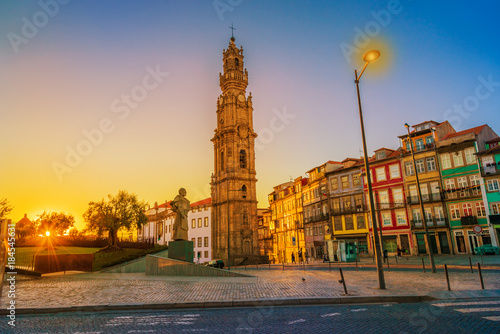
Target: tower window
x=236, y=63
x=222, y=160
x=243, y=159
x=244, y=191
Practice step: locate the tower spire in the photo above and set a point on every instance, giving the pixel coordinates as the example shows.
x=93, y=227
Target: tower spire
x=232, y=30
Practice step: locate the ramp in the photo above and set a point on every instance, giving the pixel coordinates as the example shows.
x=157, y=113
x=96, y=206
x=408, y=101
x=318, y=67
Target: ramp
x=133, y=266
x=156, y=265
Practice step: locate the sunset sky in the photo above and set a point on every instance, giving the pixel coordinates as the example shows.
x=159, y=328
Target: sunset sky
x=65, y=72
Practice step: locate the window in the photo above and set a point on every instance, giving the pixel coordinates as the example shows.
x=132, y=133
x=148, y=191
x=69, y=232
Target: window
x=200, y=222
x=205, y=242
x=236, y=63
x=420, y=166
x=397, y=196
x=428, y=216
x=438, y=212
x=409, y=168
x=345, y=181
x=431, y=164
x=336, y=204
x=206, y=221
x=356, y=181
x=386, y=219
x=358, y=201
x=458, y=159
x=222, y=161
x=417, y=216
x=429, y=140
x=492, y=185
x=346, y=202
x=467, y=207
x=206, y=254
x=193, y=223
x=334, y=182
x=495, y=208
x=455, y=211
x=194, y=241
x=337, y=223
x=380, y=172
x=445, y=161
x=401, y=218
x=394, y=171
x=349, y=224
x=360, y=220
x=243, y=159
x=480, y=210
x=383, y=198
x=449, y=184
x=474, y=180
x=424, y=191
x=462, y=182
x=419, y=143
x=199, y=241
x=470, y=157
x=413, y=192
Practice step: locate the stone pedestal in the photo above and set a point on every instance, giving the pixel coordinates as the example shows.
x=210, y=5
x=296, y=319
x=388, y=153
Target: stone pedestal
x=181, y=250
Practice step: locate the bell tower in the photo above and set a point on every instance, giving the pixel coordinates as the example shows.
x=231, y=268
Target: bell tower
x=234, y=200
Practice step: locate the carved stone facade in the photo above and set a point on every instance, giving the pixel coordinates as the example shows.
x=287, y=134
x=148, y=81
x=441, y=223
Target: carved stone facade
x=233, y=183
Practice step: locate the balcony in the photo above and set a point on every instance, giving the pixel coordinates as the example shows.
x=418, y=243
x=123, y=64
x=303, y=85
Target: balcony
x=490, y=169
x=462, y=193
x=468, y=220
x=317, y=218
x=425, y=147
x=426, y=198
x=350, y=210
x=495, y=219
x=435, y=222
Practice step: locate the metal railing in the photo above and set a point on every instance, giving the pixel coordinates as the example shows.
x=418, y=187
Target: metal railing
x=468, y=220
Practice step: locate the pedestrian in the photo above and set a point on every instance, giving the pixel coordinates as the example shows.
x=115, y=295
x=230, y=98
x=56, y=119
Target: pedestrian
x=385, y=255
x=293, y=258
x=398, y=250
x=300, y=256
x=307, y=257
x=403, y=251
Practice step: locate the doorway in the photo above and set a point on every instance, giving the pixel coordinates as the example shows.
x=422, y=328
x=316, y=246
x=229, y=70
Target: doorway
x=473, y=242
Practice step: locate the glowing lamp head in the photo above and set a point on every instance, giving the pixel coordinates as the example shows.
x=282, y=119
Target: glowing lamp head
x=371, y=56
x=47, y=233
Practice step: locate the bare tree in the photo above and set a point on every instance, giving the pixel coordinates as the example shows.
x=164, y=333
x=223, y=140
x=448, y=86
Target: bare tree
x=5, y=208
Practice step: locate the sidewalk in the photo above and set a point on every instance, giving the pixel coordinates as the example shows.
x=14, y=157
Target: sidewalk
x=107, y=291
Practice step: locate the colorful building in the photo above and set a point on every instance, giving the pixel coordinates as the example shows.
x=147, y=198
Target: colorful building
x=489, y=161
x=264, y=233
x=348, y=211
x=461, y=184
x=389, y=197
x=424, y=137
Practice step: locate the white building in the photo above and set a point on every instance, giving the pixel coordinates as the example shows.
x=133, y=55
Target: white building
x=158, y=230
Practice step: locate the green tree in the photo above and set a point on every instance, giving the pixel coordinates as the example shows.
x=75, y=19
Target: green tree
x=55, y=222
x=25, y=228
x=5, y=208
x=123, y=211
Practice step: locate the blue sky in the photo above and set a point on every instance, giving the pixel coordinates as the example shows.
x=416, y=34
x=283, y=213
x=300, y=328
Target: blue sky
x=438, y=61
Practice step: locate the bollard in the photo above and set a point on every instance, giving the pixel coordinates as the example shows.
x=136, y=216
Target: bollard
x=257, y=266
x=329, y=266
x=269, y=265
x=304, y=266
x=480, y=275
x=245, y=266
x=447, y=278
x=470, y=263
x=356, y=263
x=396, y=258
x=283, y=265
x=342, y=280
x=388, y=268
x=423, y=265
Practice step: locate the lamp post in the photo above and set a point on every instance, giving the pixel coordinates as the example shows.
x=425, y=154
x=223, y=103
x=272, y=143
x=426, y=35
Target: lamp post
x=431, y=253
x=229, y=228
x=369, y=57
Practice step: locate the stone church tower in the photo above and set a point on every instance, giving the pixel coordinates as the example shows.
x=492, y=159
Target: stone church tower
x=234, y=200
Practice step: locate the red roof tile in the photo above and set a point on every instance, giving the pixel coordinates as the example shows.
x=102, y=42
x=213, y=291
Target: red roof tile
x=476, y=131
x=202, y=202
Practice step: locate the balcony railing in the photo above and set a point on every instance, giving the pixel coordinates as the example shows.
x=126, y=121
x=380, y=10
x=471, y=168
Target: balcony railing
x=490, y=169
x=317, y=218
x=424, y=147
x=458, y=193
x=426, y=198
x=350, y=210
x=435, y=222
x=468, y=220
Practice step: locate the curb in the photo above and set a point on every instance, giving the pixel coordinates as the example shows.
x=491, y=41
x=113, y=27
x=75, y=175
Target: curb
x=226, y=304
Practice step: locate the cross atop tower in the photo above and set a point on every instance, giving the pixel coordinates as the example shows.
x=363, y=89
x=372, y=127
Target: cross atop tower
x=232, y=30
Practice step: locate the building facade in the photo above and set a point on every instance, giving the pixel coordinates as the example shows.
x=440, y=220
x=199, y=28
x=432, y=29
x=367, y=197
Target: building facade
x=234, y=199
x=461, y=180
x=489, y=161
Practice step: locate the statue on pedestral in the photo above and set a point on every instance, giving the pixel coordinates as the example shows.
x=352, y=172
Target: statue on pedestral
x=181, y=206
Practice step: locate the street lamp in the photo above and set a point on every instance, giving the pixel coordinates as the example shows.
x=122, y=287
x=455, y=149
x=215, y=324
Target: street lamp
x=431, y=253
x=369, y=57
x=228, y=225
